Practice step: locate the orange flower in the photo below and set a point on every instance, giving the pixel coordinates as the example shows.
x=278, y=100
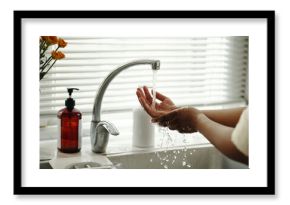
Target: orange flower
x=44, y=38
x=57, y=55
x=50, y=39
x=61, y=43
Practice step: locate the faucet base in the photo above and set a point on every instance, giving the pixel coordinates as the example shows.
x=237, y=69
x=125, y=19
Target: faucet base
x=100, y=131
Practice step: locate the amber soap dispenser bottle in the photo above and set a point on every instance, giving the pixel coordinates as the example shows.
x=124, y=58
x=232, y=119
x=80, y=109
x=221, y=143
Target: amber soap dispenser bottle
x=70, y=126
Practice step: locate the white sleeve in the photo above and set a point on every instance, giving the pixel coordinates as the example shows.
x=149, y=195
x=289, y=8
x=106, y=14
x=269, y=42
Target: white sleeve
x=240, y=135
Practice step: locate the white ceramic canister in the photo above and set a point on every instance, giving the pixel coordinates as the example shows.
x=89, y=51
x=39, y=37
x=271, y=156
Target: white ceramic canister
x=143, y=129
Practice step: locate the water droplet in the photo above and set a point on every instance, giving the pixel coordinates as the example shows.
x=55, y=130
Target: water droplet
x=170, y=139
x=151, y=160
x=188, y=165
x=165, y=167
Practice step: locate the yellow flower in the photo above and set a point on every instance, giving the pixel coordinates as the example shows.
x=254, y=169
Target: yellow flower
x=57, y=55
x=61, y=43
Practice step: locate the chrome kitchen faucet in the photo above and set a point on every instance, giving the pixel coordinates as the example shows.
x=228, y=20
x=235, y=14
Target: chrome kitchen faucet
x=100, y=130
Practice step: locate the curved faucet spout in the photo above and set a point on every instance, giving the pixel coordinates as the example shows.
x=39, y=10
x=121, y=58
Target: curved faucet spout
x=155, y=64
x=100, y=130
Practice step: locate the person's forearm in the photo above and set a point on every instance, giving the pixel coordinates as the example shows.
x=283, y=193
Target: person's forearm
x=220, y=136
x=227, y=117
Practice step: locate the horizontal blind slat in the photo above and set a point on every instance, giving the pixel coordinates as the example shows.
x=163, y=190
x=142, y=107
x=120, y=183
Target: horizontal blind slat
x=122, y=108
x=91, y=69
x=135, y=75
x=112, y=87
x=127, y=92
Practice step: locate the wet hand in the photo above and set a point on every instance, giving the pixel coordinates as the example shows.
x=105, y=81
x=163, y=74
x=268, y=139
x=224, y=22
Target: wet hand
x=161, y=108
x=184, y=120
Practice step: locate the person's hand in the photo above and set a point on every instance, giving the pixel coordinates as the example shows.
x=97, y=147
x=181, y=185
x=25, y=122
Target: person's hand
x=146, y=100
x=184, y=120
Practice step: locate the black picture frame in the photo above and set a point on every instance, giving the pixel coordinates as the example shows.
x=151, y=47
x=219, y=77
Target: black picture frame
x=269, y=16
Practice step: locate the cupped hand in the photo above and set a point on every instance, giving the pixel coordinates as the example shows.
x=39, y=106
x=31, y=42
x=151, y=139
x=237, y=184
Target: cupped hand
x=161, y=108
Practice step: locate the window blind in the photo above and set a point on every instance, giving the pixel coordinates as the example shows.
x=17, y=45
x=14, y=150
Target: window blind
x=193, y=71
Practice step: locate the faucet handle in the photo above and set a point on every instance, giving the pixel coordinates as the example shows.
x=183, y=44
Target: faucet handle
x=110, y=127
x=100, y=132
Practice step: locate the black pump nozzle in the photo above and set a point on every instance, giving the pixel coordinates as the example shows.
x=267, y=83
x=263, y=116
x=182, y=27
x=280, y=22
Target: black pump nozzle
x=70, y=103
x=70, y=90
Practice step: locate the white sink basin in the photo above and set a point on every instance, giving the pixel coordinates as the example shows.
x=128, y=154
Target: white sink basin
x=202, y=157
x=193, y=157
